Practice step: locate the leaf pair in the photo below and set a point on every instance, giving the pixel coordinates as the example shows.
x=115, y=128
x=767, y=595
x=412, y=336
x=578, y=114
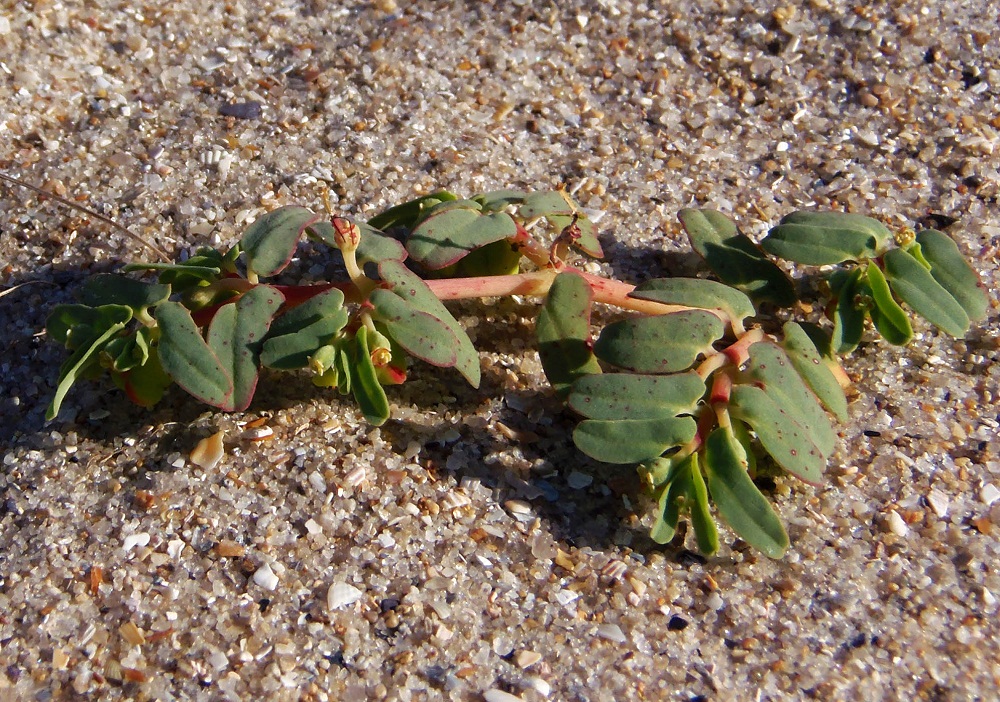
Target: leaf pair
x=774, y=400
x=478, y=236
x=930, y=276
x=825, y=238
x=222, y=369
x=735, y=258
x=933, y=278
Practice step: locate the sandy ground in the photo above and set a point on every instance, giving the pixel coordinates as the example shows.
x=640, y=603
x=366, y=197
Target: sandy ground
x=128, y=572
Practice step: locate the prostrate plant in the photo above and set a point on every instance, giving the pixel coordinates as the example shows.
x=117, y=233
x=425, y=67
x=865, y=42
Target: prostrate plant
x=684, y=385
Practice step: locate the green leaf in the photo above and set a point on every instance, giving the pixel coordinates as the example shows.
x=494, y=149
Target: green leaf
x=781, y=435
x=659, y=344
x=409, y=213
x=735, y=258
x=204, y=267
x=364, y=381
x=953, y=272
x=373, y=247
x=73, y=325
x=917, y=288
x=235, y=336
x=701, y=518
x=498, y=258
x=187, y=358
x=123, y=353
x=110, y=289
x=741, y=504
x=814, y=369
x=146, y=384
x=498, y=200
x=456, y=204
x=444, y=238
x=325, y=305
x=822, y=238
x=418, y=333
x=84, y=356
x=848, y=315
x=634, y=396
x=270, y=242
x=563, y=330
x=547, y=202
x=671, y=498
x=772, y=370
x=412, y=288
x=632, y=440
x=889, y=318
x=299, y=332
x=697, y=292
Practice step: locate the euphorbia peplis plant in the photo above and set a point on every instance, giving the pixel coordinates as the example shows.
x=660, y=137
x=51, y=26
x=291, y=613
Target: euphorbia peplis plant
x=692, y=384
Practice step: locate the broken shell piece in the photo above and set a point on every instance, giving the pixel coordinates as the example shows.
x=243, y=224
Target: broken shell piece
x=355, y=477
x=131, y=633
x=500, y=696
x=265, y=577
x=209, y=451
x=258, y=433
x=526, y=659
x=614, y=569
x=341, y=595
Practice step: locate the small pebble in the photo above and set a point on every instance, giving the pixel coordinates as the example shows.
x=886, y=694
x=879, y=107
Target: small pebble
x=578, y=480
x=500, y=696
x=611, y=632
x=989, y=493
x=133, y=540
x=265, y=577
x=938, y=502
x=341, y=595
x=242, y=110
x=209, y=451
x=896, y=524
x=526, y=659
x=539, y=685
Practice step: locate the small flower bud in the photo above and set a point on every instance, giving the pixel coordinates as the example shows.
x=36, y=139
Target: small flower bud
x=347, y=234
x=904, y=237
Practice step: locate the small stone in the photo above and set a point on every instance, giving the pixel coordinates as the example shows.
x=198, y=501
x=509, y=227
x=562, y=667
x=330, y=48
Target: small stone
x=896, y=524
x=209, y=451
x=989, y=493
x=611, y=632
x=131, y=633
x=242, y=110
x=578, y=480
x=228, y=548
x=539, y=685
x=133, y=540
x=174, y=548
x=517, y=507
x=564, y=597
x=677, y=623
x=526, y=659
x=265, y=577
x=59, y=659
x=938, y=502
x=341, y=595
x=500, y=696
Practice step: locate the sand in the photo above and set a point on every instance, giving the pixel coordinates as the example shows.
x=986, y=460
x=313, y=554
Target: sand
x=466, y=550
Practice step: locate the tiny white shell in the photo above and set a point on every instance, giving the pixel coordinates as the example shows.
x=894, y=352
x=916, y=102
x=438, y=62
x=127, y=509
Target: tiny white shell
x=341, y=595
